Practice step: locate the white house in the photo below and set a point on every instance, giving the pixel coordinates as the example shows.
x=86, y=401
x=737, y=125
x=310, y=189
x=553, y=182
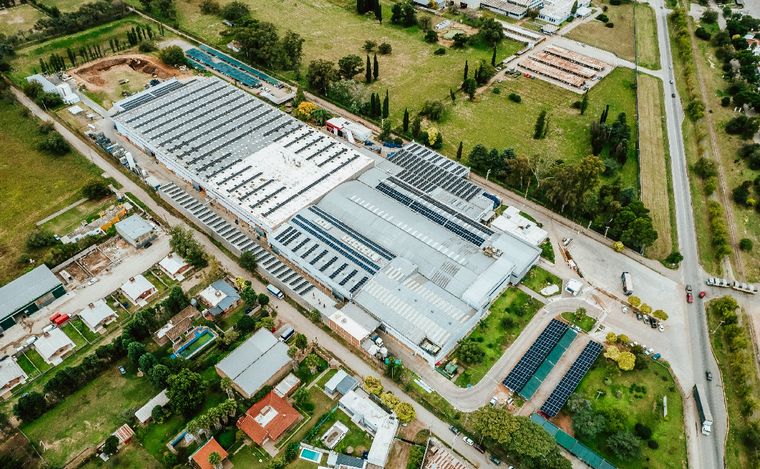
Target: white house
x=97, y=315
x=174, y=266
x=53, y=346
x=559, y=11
x=63, y=89
x=137, y=289
x=371, y=417
x=144, y=413
x=11, y=375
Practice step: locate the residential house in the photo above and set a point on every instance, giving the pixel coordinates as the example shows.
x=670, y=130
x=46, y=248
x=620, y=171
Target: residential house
x=268, y=419
x=174, y=266
x=136, y=230
x=219, y=297
x=261, y=360
x=138, y=289
x=374, y=419
x=11, y=375
x=341, y=383
x=97, y=315
x=287, y=385
x=144, y=413
x=175, y=328
x=200, y=457
x=53, y=346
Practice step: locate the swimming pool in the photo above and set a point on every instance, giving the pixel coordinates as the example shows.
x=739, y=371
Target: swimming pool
x=311, y=455
x=200, y=339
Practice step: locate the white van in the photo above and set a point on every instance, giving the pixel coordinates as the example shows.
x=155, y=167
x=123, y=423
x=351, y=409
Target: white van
x=275, y=291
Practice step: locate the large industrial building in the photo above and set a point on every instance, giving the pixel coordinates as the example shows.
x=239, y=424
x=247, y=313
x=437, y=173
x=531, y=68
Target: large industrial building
x=404, y=238
x=260, y=163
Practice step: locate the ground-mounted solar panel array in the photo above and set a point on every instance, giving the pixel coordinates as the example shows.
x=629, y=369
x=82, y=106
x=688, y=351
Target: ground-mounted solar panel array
x=543, y=371
x=573, y=446
x=535, y=356
x=572, y=378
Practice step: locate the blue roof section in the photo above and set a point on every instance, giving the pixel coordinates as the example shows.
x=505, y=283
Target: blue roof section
x=231, y=297
x=223, y=68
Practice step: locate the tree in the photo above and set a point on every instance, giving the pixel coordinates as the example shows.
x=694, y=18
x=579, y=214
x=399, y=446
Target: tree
x=245, y=324
x=745, y=244
x=159, y=374
x=470, y=86
x=349, y=66
x=612, y=352
x=301, y=341
x=584, y=102
x=183, y=243
x=235, y=11
x=634, y=301
x=147, y=361
x=369, y=45
x=539, y=131
x=389, y=400
x=624, y=444
x=111, y=445
x=431, y=36
x=459, y=151
x=375, y=68
x=210, y=7
x=266, y=323
x=416, y=126
x=386, y=105
x=645, y=308
x=466, y=71
x=186, y=391
x=292, y=46
x=368, y=71
x=30, y=406
x=263, y=299
x=54, y=144
x=626, y=361
x=405, y=121
x=574, y=8
x=491, y=32
x=404, y=13
x=172, y=55
x=433, y=110
x=248, y=261
x=320, y=74
x=470, y=352
x=40, y=238
x=709, y=16
x=660, y=314
x=493, y=58
x=587, y=424
x=214, y=459
x=611, y=338
x=372, y=385
x=425, y=22
x=385, y=48
x=96, y=190
x=405, y=412
x=742, y=125
x=135, y=350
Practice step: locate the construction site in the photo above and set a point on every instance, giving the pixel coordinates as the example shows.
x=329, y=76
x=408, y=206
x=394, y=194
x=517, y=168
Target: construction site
x=571, y=70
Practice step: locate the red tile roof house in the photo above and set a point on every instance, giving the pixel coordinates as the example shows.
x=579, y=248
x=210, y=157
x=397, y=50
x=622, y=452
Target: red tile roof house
x=268, y=419
x=200, y=457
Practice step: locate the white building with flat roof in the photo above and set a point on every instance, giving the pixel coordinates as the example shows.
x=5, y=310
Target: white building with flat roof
x=371, y=417
x=513, y=222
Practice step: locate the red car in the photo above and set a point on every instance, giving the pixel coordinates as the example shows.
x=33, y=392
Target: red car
x=702, y=294
x=689, y=298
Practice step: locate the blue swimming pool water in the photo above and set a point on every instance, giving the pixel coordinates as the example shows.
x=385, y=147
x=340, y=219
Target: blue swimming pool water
x=311, y=455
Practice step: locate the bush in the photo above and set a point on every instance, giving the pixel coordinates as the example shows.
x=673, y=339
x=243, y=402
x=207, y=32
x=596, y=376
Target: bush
x=609, y=25
x=515, y=98
x=653, y=444
x=40, y=238
x=54, y=144
x=745, y=244
x=602, y=17
x=440, y=51
x=147, y=46
x=725, y=101
x=96, y=190
x=210, y=7
x=642, y=431
x=702, y=33
x=234, y=11
x=385, y=48
x=173, y=56
x=431, y=37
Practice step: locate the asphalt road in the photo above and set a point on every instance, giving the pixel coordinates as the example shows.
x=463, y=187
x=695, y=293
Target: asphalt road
x=708, y=452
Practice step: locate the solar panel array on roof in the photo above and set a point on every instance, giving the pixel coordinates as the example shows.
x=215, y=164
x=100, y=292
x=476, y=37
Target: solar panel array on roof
x=246, y=68
x=536, y=354
x=223, y=68
x=153, y=93
x=573, y=446
x=572, y=378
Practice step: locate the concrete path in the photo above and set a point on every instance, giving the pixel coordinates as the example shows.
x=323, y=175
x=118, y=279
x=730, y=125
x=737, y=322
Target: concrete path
x=61, y=211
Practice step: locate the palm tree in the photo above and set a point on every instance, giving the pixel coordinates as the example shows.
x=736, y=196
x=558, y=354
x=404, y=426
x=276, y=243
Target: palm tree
x=214, y=417
x=214, y=459
x=230, y=407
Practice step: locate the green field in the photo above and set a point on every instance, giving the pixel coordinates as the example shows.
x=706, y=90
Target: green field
x=34, y=184
x=74, y=335
x=69, y=220
x=27, y=366
x=538, y=278
x=584, y=321
x=18, y=18
x=496, y=122
x=65, y=5
x=88, y=416
x=610, y=389
x=82, y=328
x=509, y=314
x=132, y=456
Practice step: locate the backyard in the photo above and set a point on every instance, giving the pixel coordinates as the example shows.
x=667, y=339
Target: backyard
x=35, y=185
x=509, y=315
x=131, y=456
x=18, y=18
x=538, y=278
x=72, y=218
x=88, y=416
x=637, y=397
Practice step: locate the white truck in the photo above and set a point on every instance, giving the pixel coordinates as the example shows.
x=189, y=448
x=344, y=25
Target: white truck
x=705, y=416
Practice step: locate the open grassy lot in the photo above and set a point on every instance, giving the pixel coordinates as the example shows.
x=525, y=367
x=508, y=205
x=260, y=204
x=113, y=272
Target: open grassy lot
x=619, y=39
x=18, y=18
x=509, y=314
x=27, y=366
x=495, y=121
x=27, y=59
x=637, y=397
x=331, y=30
x=64, y=5
x=656, y=187
x=538, y=278
x=69, y=220
x=88, y=416
x=34, y=184
x=82, y=328
x=580, y=319
x=132, y=456
x=74, y=335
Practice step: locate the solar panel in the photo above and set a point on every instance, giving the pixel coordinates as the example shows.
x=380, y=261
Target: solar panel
x=572, y=378
x=536, y=354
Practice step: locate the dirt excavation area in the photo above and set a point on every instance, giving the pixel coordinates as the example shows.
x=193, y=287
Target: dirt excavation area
x=110, y=79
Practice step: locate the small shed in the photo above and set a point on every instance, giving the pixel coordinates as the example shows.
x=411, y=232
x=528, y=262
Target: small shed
x=143, y=413
x=341, y=383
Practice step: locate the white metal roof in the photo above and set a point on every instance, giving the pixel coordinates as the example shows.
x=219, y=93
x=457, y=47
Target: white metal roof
x=380, y=422
x=9, y=371
x=354, y=321
x=51, y=342
x=173, y=263
x=511, y=221
x=94, y=313
x=136, y=287
x=134, y=227
x=143, y=413
x=255, y=361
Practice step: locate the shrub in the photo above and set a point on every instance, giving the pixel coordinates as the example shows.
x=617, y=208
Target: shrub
x=96, y=190
x=172, y=55
x=431, y=37
x=385, y=48
x=725, y=101
x=514, y=97
x=54, y=145
x=702, y=33
x=440, y=51
x=609, y=25
x=745, y=244
x=642, y=431
x=653, y=444
x=602, y=17
x=147, y=46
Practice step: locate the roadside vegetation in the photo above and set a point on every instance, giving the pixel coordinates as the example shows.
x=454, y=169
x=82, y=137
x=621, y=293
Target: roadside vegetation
x=732, y=343
x=508, y=316
x=580, y=318
x=620, y=414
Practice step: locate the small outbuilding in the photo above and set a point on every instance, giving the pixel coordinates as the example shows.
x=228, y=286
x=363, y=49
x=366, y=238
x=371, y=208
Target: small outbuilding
x=340, y=383
x=174, y=266
x=144, y=413
x=136, y=230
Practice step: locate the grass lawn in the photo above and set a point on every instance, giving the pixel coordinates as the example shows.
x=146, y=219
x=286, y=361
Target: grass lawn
x=538, y=278
x=34, y=185
x=332, y=29
x=547, y=251
x=644, y=406
x=356, y=438
x=64, y=5
x=18, y=18
x=251, y=457
x=71, y=219
x=231, y=318
x=74, y=335
x=585, y=322
x=132, y=456
x=656, y=186
x=27, y=59
x=496, y=122
x=88, y=416
x=509, y=314
x=619, y=39
x=325, y=378
x=83, y=329
x=27, y=366
x=34, y=356
x=737, y=454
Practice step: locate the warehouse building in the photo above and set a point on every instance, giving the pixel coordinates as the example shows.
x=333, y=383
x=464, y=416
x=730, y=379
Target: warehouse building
x=406, y=244
x=27, y=294
x=136, y=231
x=259, y=361
x=258, y=162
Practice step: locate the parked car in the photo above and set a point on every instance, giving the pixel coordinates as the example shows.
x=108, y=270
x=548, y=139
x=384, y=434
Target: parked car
x=689, y=298
x=495, y=460
x=661, y=328
x=708, y=375
x=702, y=294
x=494, y=400
x=656, y=356
x=122, y=370
x=688, y=287
x=454, y=430
x=468, y=440
x=479, y=448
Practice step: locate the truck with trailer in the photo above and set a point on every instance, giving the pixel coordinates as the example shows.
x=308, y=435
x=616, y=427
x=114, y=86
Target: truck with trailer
x=705, y=416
